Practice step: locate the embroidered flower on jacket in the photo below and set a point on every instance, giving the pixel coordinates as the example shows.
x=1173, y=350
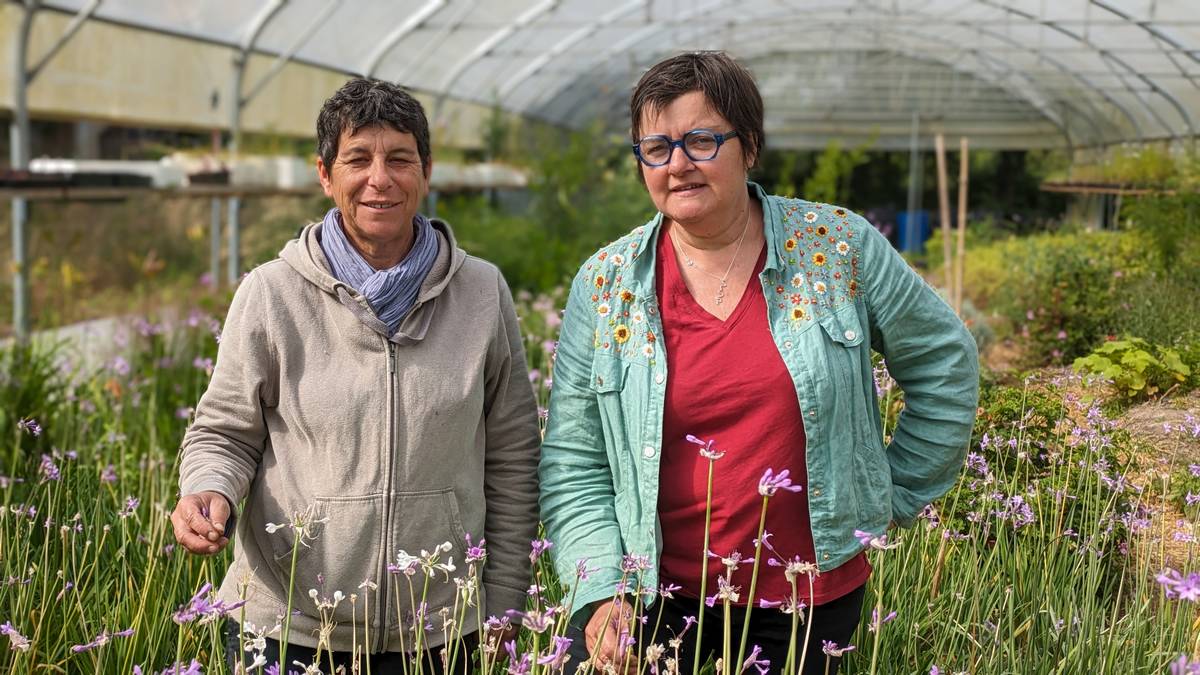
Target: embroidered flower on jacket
x=810, y=217
x=603, y=309
x=626, y=295
x=600, y=281
x=819, y=286
x=818, y=258
x=637, y=317
x=648, y=351
x=621, y=334
x=843, y=248
x=822, y=230
x=798, y=280
x=789, y=245
x=797, y=313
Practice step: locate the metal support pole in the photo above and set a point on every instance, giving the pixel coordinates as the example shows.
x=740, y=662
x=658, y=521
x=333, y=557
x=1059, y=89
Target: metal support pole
x=234, y=271
x=19, y=137
x=911, y=227
x=214, y=244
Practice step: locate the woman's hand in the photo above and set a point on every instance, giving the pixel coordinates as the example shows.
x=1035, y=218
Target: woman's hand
x=611, y=620
x=199, y=522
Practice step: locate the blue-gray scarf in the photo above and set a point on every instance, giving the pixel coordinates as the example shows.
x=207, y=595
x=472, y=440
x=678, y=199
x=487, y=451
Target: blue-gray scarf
x=391, y=292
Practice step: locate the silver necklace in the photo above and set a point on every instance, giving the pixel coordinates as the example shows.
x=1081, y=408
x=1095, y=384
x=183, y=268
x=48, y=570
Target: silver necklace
x=724, y=278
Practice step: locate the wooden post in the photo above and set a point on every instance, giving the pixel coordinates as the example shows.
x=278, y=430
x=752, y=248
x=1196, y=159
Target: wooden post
x=960, y=259
x=939, y=142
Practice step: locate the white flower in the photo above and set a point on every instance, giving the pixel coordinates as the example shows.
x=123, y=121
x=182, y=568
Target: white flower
x=843, y=248
x=810, y=217
x=819, y=286
x=603, y=309
x=648, y=351
x=798, y=281
x=617, y=259
x=273, y=527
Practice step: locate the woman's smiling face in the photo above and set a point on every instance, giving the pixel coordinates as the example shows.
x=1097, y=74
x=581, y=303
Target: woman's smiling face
x=377, y=181
x=684, y=190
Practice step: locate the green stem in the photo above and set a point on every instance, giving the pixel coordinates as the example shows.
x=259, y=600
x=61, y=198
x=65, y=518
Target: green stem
x=287, y=618
x=703, y=569
x=878, y=618
x=762, y=524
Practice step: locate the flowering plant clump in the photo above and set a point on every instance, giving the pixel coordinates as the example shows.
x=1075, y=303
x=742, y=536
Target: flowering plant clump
x=1044, y=548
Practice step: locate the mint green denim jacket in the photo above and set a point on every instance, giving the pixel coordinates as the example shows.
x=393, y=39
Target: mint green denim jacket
x=835, y=290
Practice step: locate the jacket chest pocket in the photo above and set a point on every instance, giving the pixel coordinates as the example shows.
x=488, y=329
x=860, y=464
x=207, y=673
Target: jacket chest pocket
x=609, y=384
x=846, y=350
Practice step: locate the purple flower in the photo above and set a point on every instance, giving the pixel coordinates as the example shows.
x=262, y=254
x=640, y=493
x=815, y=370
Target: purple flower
x=538, y=547
x=632, y=563
x=29, y=426
x=131, y=504
x=203, y=609
x=192, y=668
x=706, y=448
x=49, y=469
x=476, y=552
x=876, y=622
x=100, y=640
x=1185, y=666
x=517, y=665
x=16, y=641
x=556, y=657
x=831, y=648
x=879, y=543
x=581, y=570
x=538, y=622
x=770, y=483
x=761, y=665
x=1178, y=586
x=119, y=366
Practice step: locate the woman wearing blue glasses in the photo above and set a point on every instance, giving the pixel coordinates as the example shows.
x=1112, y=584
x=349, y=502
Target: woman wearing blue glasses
x=738, y=325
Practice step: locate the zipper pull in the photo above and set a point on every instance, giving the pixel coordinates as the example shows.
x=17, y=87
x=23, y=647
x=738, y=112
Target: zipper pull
x=391, y=358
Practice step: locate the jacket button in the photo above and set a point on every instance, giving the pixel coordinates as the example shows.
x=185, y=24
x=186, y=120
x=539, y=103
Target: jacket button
x=648, y=451
x=812, y=412
x=850, y=335
x=599, y=380
x=824, y=556
x=787, y=345
x=817, y=492
x=658, y=378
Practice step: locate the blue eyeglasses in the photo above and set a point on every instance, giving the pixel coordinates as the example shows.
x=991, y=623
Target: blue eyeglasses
x=700, y=145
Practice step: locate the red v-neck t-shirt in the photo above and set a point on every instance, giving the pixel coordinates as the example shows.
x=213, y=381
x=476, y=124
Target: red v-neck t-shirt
x=727, y=382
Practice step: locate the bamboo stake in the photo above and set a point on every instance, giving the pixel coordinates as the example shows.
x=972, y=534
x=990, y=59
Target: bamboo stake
x=960, y=262
x=939, y=142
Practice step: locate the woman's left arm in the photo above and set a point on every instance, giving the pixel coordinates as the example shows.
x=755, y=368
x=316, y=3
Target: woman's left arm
x=933, y=358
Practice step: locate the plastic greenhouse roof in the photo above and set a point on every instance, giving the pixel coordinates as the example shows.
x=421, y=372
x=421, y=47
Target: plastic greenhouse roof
x=1007, y=73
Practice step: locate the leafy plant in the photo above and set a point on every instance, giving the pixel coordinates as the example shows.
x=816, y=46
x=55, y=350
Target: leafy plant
x=1137, y=368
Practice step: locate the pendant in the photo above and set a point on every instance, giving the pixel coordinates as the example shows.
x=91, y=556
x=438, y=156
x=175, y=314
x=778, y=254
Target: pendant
x=721, y=293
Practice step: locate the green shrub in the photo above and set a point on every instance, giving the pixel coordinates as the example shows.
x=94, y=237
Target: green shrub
x=1138, y=369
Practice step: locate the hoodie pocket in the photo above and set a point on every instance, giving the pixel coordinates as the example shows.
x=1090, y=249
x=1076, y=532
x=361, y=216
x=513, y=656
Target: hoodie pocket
x=339, y=550
x=422, y=521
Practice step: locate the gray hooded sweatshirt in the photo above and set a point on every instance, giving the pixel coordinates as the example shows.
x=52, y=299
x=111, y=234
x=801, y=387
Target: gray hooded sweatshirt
x=381, y=445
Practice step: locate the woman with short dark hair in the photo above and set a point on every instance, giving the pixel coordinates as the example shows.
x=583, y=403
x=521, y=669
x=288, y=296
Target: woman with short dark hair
x=747, y=319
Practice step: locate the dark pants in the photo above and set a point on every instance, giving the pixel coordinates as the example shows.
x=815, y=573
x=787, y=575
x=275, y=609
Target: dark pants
x=383, y=664
x=770, y=629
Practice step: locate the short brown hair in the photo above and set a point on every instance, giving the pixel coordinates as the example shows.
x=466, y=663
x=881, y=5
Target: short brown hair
x=366, y=103
x=728, y=86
